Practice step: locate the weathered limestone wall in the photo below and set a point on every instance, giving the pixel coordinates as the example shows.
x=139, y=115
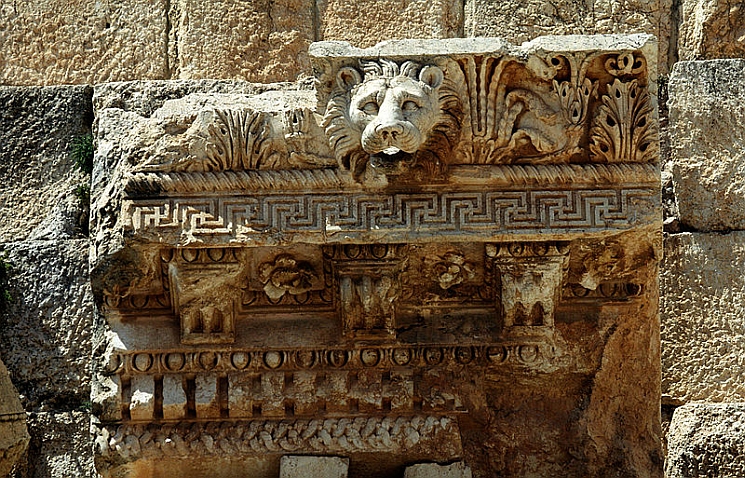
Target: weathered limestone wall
x=702, y=275
x=43, y=337
x=45, y=328
x=46, y=42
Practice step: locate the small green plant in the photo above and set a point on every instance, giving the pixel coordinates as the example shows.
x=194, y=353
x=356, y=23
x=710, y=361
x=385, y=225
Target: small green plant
x=82, y=152
x=83, y=193
x=5, y=268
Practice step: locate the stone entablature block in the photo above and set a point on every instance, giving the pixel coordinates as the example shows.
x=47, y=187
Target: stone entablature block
x=379, y=269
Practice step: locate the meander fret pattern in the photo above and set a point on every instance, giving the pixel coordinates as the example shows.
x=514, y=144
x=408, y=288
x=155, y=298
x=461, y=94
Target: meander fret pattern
x=428, y=212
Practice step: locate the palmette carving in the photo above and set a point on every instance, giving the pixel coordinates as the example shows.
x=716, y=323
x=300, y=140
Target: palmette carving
x=624, y=129
x=241, y=139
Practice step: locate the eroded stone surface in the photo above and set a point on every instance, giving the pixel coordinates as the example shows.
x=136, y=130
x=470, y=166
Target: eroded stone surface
x=47, y=330
x=707, y=109
x=13, y=434
x=38, y=176
x=433, y=470
x=256, y=41
x=368, y=22
x=60, y=446
x=458, y=240
x=703, y=339
x=711, y=29
x=522, y=21
x=706, y=440
x=313, y=467
x=47, y=43
x=144, y=97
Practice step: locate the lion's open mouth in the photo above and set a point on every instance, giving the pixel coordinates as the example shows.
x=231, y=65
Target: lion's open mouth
x=390, y=159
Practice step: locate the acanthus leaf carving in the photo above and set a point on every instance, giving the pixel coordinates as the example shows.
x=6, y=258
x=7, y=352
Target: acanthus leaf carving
x=530, y=278
x=624, y=128
x=438, y=435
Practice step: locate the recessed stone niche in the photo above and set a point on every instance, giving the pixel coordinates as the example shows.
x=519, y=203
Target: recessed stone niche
x=444, y=251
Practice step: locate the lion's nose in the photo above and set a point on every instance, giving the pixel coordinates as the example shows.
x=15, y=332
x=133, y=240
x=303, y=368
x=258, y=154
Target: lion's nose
x=389, y=131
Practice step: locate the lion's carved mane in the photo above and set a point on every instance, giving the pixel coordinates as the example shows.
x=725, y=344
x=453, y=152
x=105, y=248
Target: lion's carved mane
x=389, y=113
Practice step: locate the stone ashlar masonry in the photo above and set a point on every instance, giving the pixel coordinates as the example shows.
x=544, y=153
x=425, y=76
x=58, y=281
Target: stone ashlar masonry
x=46, y=331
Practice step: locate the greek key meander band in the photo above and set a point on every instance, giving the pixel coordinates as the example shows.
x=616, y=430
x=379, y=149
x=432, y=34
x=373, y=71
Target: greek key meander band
x=441, y=213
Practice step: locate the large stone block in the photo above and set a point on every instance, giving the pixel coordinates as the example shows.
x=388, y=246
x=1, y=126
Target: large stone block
x=519, y=21
x=45, y=338
x=313, y=467
x=367, y=22
x=702, y=305
x=60, y=446
x=37, y=175
x=256, y=41
x=433, y=470
x=711, y=29
x=707, y=111
x=47, y=42
x=707, y=440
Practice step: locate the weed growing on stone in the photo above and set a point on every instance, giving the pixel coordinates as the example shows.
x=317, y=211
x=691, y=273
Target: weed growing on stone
x=5, y=297
x=83, y=193
x=82, y=152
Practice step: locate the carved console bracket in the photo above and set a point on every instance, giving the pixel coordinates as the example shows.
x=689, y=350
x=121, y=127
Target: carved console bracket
x=206, y=317
x=529, y=279
x=367, y=284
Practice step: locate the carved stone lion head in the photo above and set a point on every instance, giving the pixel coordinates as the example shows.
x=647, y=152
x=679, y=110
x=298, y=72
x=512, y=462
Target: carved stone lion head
x=392, y=118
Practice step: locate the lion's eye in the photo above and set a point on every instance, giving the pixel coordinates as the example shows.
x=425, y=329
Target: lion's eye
x=409, y=106
x=370, y=108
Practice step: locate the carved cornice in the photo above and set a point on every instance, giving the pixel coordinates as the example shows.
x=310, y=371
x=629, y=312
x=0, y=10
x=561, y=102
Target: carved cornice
x=341, y=277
